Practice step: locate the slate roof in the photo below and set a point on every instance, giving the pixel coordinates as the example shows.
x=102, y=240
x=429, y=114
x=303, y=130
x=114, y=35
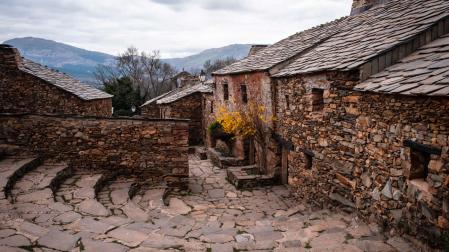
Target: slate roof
x=285, y=49
x=425, y=72
x=180, y=93
x=63, y=81
x=369, y=34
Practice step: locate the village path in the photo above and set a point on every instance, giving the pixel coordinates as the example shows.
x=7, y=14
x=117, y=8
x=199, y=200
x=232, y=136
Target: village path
x=212, y=216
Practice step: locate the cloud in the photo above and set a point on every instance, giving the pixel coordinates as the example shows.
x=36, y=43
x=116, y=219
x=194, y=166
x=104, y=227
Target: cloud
x=175, y=27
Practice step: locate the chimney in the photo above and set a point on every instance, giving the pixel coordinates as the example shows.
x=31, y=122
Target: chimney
x=9, y=57
x=359, y=6
x=255, y=48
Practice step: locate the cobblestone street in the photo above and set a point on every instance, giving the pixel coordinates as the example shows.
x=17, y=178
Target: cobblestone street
x=212, y=216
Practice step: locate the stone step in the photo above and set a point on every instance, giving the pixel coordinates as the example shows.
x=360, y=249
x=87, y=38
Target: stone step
x=224, y=162
x=12, y=169
x=117, y=192
x=46, y=176
x=80, y=192
x=246, y=177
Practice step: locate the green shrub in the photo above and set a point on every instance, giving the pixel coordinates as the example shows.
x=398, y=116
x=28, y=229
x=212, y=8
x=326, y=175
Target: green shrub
x=216, y=131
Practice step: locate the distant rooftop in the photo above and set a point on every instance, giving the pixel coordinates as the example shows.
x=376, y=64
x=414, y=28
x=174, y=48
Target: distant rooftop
x=12, y=60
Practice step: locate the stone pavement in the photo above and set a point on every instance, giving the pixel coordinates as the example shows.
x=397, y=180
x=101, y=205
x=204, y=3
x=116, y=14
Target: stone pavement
x=212, y=216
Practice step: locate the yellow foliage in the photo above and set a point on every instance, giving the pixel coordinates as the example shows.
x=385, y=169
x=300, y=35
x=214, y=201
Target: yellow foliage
x=246, y=122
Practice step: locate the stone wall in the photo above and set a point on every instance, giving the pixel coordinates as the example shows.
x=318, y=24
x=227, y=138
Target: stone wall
x=356, y=150
x=208, y=108
x=259, y=91
x=24, y=93
x=151, y=111
x=149, y=147
x=189, y=107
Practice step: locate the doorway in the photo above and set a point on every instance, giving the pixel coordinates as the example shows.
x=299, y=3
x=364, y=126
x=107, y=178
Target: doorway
x=284, y=168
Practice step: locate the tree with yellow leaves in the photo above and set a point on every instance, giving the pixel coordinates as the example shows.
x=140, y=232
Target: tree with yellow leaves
x=250, y=121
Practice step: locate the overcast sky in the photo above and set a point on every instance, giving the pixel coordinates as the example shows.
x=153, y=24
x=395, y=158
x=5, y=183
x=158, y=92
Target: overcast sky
x=175, y=27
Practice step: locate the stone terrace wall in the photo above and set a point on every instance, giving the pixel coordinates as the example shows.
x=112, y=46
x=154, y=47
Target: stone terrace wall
x=360, y=155
x=189, y=107
x=149, y=147
x=23, y=93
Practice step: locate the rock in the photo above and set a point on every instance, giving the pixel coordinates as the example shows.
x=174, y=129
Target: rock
x=375, y=194
x=128, y=237
x=15, y=241
x=177, y=207
x=292, y=244
x=56, y=239
x=90, y=225
x=134, y=212
x=216, y=193
x=366, y=180
x=295, y=210
x=31, y=230
x=6, y=232
x=443, y=223
x=268, y=236
x=67, y=217
x=400, y=244
x=231, y=195
x=396, y=194
x=120, y=197
x=91, y=245
x=341, y=199
x=388, y=190
x=436, y=165
x=222, y=247
x=217, y=238
x=345, y=181
x=42, y=196
x=161, y=242
x=11, y=249
x=372, y=245
x=244, y=238
x=93, y=207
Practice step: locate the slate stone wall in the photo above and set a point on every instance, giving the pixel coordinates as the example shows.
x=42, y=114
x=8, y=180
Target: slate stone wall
x=151, y=148
x=189, y=107
x=24, y=93
x=356, y=150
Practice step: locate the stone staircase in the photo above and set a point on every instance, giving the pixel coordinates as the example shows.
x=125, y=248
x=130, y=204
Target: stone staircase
x=246, y=177
x=223, y=162
x=12, y=169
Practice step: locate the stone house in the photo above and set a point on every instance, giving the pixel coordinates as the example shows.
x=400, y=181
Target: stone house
x=190, y=102
x=361, y=107
x=249, y=80
x=28, y=87
x=368, y=128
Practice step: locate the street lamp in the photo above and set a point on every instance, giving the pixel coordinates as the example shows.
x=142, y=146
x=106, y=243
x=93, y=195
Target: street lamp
x=202, y=76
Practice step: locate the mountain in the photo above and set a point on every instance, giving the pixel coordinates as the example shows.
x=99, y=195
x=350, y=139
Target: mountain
x=75, y=61
x=196, y=61
x=81, y=63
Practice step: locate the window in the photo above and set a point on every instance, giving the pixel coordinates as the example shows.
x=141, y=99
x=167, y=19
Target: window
x=308, y=159
x=211, y=107
x=317, y=99
x=244, y=93
x=420, y=159
x=225, y=92
x=420, y=164
x=287, y=102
